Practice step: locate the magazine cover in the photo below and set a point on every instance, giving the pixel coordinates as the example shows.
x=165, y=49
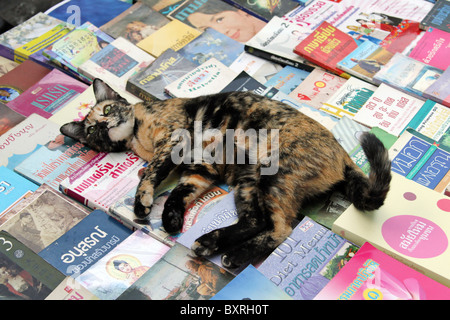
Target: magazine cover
x=116, y=271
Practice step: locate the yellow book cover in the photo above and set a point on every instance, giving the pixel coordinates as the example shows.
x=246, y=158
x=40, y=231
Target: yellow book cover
x=412, y=226
x=173, y=35
x=38, y=44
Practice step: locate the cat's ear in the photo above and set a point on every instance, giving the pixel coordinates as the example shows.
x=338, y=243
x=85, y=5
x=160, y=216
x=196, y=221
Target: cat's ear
x=74, y=130
x=103, y=91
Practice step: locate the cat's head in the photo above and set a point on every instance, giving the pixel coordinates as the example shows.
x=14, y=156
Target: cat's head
x=108, y=127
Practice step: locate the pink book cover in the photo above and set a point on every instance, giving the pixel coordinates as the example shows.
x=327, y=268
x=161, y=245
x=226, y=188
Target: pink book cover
x=48, y=95
x=374, y=275
x=433, y=48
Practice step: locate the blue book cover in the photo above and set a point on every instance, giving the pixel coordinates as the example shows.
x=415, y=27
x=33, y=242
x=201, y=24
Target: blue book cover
x=287, y=79
x=421, y=159
x=85, y=243
x=212, y=44
x=13, y=188
x=97, y=12
x=55, y=161
x=251, y=284
x=23, y=139
x=307, y=260
x=221, y=215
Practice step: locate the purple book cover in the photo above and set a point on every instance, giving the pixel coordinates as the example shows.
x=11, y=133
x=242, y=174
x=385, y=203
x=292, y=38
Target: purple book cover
x=48, y=95
x=307, y=260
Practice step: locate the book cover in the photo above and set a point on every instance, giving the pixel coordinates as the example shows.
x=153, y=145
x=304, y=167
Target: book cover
x=116, y=271
x=438, y=16
x=33, y=49
x=55, y=161
x=439, y=91
x=104, y=179
x=80, y=247
x=18, y=80
x=349, y=98
x=25, y=275
x=244, y=82
x=221, y=215
x=317, y=88
x=135, y=24
x=79, y=107
x=116, y=62
x=365, y=61
x=407, y=74
x=433, y=48
x=77, y=46
x=325, y=119
x=13, y=189
x=25, y=32
x=78, y=12
x=25, y=138
x=326, y=46
x=433, y=121
x=307, y=260
x=389, y=109
x=6, y=65
x=212, y=44
x=405, y=33
x=287, y=79
x=411, y=226
x=149, y=83
x=42, y=217
x=8, y=118
x=173, y=35
x=422, y=160
x=200, y=15
x=275, y=42
x=250, y=284
x=210, y=77
x=258, y=68
x=265, y=10
x=374, y=275
x=69, y=289
x=179, y=275
x=48, y=95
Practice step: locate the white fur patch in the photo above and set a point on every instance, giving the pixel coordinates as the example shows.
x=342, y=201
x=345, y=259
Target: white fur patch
x=122, y=131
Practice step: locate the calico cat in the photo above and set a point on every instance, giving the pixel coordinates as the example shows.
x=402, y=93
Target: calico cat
x=309, y=162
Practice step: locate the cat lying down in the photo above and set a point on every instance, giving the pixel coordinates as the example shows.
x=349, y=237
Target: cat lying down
x=286, y=159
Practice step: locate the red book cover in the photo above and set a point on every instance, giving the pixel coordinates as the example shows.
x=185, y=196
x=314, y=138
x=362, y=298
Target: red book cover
x=22, y=77
x=48, y=95
x=326, y=46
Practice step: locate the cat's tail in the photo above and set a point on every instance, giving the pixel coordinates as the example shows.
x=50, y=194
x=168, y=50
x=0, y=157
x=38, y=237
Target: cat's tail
x=369, y=192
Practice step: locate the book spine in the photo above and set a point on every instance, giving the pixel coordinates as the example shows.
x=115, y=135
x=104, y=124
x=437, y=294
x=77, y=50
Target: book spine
x=139, y=92
x=79, y=198
x=121, y=220
x=277, y=58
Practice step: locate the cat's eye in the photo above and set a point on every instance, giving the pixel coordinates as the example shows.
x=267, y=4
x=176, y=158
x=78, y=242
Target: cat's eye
x=106, y=110
x=91, y=129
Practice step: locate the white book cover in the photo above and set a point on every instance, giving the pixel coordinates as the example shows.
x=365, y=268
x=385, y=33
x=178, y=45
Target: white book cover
x=389, y=109
x=208, y=78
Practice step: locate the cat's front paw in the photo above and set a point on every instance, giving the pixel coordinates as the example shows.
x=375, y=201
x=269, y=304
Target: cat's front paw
x=173, y=216
x=142, y=204
x=206, y=245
